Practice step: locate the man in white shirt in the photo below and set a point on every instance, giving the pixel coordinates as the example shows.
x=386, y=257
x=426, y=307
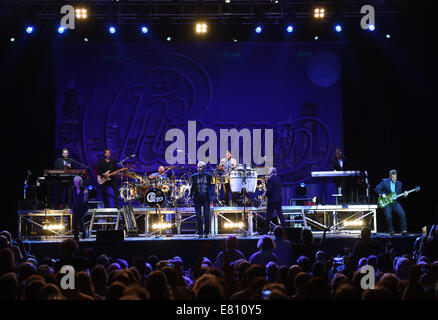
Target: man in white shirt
x=226, y=165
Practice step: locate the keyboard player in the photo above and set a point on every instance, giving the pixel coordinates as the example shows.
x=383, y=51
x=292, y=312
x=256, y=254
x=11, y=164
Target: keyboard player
x=63, y=187
x=343, y=185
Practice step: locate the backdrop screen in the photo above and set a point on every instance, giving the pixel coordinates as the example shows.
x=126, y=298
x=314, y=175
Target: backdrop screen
x=127, y=97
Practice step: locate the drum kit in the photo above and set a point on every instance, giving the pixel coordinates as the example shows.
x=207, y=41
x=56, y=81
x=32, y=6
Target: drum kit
x=160, y=190
x=154, y=190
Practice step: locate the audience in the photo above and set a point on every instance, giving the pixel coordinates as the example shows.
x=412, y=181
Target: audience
x=366, y=246
x=232, y=252
x=271, y=273
x=283, y=247
x=265, y=245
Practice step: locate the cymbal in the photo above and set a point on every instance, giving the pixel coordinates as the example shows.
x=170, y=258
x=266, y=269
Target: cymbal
x=132, y=175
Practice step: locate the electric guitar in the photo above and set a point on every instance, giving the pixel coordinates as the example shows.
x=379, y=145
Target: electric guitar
x=102, y=179
x=390, y=198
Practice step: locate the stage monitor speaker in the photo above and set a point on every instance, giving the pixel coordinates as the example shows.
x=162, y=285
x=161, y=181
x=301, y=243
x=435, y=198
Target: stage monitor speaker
x=110, y=235
x=293, y=234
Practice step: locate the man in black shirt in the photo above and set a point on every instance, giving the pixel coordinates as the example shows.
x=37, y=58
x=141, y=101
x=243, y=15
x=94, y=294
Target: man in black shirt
x=366, y=246
x=343, y=184
x=104, y=168
x=63, y=187
x=201, y=194
x=275, y=199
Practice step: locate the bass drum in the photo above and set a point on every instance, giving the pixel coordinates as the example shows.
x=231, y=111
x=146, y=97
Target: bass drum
x=155, y=197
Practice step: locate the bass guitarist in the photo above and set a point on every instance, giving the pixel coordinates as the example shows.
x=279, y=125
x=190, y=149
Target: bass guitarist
x=105, y=167
x=386, y=187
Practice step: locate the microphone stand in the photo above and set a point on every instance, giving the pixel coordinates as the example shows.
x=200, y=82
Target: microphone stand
x=121, y=162
x=79, y=163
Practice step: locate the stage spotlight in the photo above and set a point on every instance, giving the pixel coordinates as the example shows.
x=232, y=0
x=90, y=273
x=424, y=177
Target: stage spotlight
x=92, y=193
x=12, y=39
x=233, y=225
x=169, y=38
x=29, y=29
x=234, y=40
x=161, y=226
x=144, y=29
x=388, y=36
x=319, y=13
x=357, y=223
x=201, y=27
x=316, y=38
x=227, y=1
x=338, y=28
x=258, y=29
x=81, y=13
x=86, y=39
x=371, y=27
x=112, y=29
x=290, y=28
x=61, y=30
x=301, y=189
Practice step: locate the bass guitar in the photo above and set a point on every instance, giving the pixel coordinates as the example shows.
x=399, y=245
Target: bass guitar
x=390, y=198
x=104, y=178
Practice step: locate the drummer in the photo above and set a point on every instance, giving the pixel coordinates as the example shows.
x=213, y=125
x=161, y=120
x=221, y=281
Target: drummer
x=225, y=166
x=160, y=175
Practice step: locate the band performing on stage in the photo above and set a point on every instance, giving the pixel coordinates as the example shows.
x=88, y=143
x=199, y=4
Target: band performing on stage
x=227, y=185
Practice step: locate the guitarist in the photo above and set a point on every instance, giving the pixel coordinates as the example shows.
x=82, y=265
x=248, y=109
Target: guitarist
x=104, y=167
x=386, y=187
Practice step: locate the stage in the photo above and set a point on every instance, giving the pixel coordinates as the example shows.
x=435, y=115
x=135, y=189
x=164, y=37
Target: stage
x=189, y=247
x=181, y=220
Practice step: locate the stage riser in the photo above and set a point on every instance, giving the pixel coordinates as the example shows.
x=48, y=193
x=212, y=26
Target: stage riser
x=317, y=217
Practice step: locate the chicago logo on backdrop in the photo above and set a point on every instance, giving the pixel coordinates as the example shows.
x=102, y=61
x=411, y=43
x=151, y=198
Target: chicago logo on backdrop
x=154, y=105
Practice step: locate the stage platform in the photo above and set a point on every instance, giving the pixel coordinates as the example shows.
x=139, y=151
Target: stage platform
x=189, y=247
x=318, y=217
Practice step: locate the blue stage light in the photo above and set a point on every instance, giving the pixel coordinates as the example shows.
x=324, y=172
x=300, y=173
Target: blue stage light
x=371, y=27
x=144, y=29
x=61, y=30
x=169, y=38
x=90, y=187
x=302, y=184
x=29, y=29
x=112, y=29
x=388, y=36
x=290, y=29
x=258, y=29
x=338, y=28
x=86, y=39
